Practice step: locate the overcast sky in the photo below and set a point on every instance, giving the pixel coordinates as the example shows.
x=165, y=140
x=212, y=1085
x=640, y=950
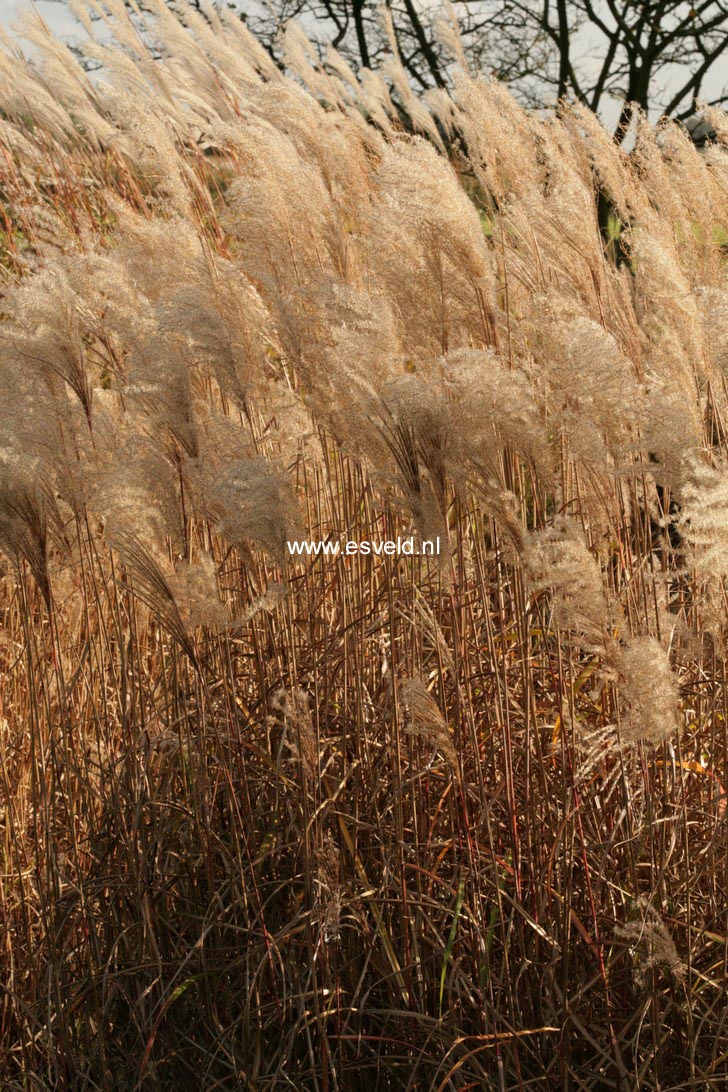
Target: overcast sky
x=64, y=25
x=56, y=15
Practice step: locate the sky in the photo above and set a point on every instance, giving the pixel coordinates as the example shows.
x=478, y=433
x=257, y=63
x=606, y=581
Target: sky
x=57, y=15
x=62, y=23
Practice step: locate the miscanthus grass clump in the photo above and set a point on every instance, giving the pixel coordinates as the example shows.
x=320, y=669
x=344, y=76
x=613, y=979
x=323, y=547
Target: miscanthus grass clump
x=329, y=822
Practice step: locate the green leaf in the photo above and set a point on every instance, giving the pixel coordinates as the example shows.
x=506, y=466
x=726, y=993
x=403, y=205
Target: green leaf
x=451, y=937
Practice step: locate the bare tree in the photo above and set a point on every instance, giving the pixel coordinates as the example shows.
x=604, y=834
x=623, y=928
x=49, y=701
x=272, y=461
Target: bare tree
x=639, y=48
x=492, y=32
x=654, y=55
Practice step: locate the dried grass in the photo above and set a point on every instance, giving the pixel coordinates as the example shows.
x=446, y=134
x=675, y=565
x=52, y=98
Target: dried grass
x=367, y=822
